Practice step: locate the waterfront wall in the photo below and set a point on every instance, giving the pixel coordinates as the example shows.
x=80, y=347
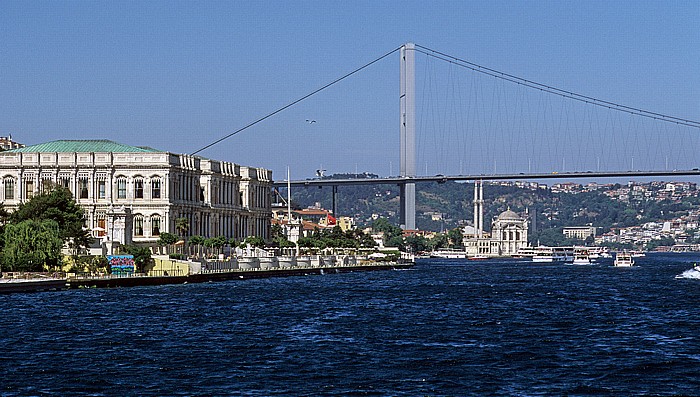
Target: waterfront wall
x=165, y=266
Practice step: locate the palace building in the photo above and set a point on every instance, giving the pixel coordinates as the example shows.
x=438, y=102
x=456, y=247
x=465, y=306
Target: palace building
x=133, y=194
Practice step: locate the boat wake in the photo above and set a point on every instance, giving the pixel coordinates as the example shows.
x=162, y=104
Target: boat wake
x=691, y=273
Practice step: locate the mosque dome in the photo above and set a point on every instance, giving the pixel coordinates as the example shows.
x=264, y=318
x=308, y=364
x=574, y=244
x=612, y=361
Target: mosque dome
x=509, y=215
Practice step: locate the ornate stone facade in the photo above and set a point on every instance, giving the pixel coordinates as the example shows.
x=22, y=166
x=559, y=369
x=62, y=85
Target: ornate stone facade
x=508, y=234
x=133, y=194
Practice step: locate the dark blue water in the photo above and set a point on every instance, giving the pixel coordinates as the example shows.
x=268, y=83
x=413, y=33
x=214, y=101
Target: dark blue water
x=445, y=328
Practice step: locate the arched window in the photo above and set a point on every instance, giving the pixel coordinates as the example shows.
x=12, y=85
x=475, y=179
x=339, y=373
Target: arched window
x=155, y=188
x=138, y=225
x=121, y=187
x=138, y=188
x=9, y=188
x=155, y=225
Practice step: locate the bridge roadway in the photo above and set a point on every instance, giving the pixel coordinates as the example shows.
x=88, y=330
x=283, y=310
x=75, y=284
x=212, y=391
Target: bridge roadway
x=399, y=180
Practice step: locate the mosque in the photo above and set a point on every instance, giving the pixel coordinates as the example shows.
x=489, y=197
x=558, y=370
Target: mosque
x=508, y=231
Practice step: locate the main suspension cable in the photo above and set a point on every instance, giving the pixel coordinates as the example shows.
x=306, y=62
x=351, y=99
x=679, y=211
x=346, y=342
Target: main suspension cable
x=297, y=101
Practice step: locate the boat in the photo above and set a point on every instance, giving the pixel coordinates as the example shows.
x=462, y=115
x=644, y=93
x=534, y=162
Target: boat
x=448, y=254
x=693, y=273
x=10, y=285
x=478, y=258
x=637, y=254
x=598, y=254
x=581, y=257
x=623, y=259
x=525, y=252
x=545, y=254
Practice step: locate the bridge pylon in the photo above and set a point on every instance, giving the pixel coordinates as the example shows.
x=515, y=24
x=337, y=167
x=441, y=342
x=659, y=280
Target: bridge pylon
x=408, y=136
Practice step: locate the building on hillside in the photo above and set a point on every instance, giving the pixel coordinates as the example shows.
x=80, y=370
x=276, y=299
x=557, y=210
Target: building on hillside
x=133, y=194
x=6, y=143
x=579, y=232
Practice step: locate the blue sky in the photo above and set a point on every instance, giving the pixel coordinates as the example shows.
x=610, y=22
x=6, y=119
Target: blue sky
x=179, y=75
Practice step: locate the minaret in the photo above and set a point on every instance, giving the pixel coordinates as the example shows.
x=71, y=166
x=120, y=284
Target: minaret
x=479, y=208
x=476, y=209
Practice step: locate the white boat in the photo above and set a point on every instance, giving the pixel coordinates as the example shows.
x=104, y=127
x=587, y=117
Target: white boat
x=581, y=257
x=693, y=273
x=623, y=259
x=637, y=254
x=597, y=254
x=526, y=252
x=448, y=254
x=553, y=254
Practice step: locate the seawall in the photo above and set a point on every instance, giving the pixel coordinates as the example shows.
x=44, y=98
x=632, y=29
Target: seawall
x=135, y=281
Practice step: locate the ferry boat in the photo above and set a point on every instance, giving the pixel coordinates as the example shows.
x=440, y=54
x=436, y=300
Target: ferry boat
x=597, y=254
x=525, y=252
x=553, y=254
x=637, y=254
x=581, y=256
x=623, y=259
x=448, y=254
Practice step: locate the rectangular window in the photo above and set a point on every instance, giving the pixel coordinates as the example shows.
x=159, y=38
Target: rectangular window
x=45, y=185
x=121, y=188
x=138, y=188
x=155, y=188
x=101, y=189
x=29, y=189
x=9, y=189
x=83, y=188
x=64, y=181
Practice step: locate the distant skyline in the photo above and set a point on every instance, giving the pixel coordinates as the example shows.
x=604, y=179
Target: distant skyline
x=178, y=75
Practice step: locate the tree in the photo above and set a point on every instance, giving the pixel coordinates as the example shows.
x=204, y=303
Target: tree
x=254, y=241
x=393, y=235
x=182, y=225
x=142, y=256
x=197, y=240
x=31, y=245
x=167, y=239
x=456, y=238
x=57, y=204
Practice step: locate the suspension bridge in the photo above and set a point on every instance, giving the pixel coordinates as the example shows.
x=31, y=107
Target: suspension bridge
x=516, y=133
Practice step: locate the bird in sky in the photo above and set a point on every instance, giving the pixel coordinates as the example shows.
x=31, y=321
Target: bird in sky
x=310, y=121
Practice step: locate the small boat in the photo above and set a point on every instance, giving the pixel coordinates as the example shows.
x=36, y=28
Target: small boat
x=693, y=273
x=478, y=258
x=623, y=259
x=448, y=254
x=637, y=254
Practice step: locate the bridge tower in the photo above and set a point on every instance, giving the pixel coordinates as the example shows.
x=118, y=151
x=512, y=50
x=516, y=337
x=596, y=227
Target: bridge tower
x=408, y=136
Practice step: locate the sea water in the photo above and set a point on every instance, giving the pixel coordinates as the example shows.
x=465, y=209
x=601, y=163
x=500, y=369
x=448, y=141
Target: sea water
x=444, y=328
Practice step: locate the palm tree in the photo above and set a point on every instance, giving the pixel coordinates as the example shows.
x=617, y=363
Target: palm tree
x=182, y=225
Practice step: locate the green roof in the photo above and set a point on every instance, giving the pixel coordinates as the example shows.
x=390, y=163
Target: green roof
x=70, y=146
